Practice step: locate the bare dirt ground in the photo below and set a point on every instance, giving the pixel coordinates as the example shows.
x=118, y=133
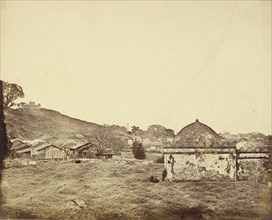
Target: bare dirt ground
x=119, y=189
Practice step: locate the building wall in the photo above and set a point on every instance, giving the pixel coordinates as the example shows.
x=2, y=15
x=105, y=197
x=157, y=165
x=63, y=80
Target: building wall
x=84, y=152
x=255, y=169
x=204, y=166
x=215, y=164
x=52, y=153
x=25, y=154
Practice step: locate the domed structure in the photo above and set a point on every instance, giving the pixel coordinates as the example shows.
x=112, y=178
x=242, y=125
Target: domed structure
x=197, y=135
x=199, y=153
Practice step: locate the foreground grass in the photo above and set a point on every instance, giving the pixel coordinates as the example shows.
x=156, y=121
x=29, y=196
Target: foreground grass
x=119, y=189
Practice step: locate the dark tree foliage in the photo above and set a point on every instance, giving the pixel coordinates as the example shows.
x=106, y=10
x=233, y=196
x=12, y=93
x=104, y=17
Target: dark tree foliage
x=11, y=92
x=138, y=150
x=3, y=135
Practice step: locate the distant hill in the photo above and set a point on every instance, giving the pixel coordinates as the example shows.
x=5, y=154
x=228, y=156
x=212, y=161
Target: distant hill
x=32, y=123
x=253, y=136
x=47, y=125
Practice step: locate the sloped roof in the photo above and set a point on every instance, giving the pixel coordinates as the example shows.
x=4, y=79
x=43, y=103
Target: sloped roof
x=18, y=144
x=75, y=147
x=69, y=143
x=24, y=150
x=35, y=143
x=251, y=146
x=198, y=135
x=44, y=145
x=17, y=141
x=38, y=144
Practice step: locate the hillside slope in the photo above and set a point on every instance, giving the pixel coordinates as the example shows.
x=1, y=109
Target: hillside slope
x=47, y=125
x=27, y=123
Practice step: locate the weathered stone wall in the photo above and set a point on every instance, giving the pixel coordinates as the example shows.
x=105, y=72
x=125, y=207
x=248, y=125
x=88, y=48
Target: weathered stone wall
x=193, y=164
x=215, y=164
x=253, y=166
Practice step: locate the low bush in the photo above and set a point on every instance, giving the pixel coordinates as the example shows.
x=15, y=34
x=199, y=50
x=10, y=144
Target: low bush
x=138, y=150
x=160, y=159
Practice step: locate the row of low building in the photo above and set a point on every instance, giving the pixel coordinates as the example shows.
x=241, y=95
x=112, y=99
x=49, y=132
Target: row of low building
x=43, y=150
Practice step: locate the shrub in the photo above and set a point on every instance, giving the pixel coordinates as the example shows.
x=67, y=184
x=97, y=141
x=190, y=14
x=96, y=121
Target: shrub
x=138, y=150
x=160, y=159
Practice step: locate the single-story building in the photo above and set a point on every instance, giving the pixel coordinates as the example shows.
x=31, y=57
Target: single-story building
x=199, y=153
x=26, y=153
x=42, y=150
x=49, y=151
x=107, y=153
x=19, y=145
x=85, y=150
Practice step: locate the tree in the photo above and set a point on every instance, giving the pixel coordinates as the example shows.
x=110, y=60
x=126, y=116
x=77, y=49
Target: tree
x=138, y=150
x=104, y=141
x=11, y=92
x=134, y=129
x=159, y=131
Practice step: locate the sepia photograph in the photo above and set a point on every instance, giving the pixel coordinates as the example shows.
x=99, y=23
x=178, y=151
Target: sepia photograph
x=136, y=110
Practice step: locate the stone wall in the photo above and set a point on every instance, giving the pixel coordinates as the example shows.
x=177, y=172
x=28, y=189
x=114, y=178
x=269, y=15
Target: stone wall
x=253, y=166
x=200, y=163
x=215, y=164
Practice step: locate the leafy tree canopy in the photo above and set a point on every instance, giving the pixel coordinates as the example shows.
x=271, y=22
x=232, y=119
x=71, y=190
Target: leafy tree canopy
x=11, y=92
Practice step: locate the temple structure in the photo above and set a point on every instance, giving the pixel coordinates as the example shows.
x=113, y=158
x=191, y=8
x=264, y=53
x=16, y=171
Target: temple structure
x=199, y=153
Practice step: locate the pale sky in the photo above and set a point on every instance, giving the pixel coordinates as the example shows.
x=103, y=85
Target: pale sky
x=143, y=63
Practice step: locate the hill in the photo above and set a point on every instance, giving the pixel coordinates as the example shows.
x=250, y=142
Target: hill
x=256, y=137
x=47, y=125
x=31, y=123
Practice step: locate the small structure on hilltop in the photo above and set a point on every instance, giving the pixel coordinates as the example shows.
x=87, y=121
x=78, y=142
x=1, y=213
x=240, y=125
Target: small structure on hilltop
x=199, y=153
x=32, y=105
